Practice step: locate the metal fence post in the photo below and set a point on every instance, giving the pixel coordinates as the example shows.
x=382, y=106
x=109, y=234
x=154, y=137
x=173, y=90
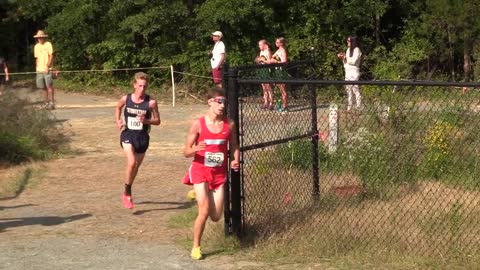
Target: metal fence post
x=226, y=206
x=333, y=128
x=233, y=218
x=316, y=177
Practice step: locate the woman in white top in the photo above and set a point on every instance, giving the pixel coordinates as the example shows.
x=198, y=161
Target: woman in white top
x=351, y=63
x=264, y=73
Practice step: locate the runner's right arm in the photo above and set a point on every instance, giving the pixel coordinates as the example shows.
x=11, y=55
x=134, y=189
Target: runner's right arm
x=190, y=147
x=118, y=111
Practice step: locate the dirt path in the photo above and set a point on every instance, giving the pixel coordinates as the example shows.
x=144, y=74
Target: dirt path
x=74, y=219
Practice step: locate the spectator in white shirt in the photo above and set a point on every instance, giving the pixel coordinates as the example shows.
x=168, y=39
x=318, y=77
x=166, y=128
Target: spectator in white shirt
x=218, y=57
x=351, y=63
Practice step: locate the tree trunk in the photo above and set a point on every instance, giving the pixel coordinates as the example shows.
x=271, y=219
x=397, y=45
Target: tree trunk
x=450, y=54
x=432, y=71
x=467, y=59
x=377, y=28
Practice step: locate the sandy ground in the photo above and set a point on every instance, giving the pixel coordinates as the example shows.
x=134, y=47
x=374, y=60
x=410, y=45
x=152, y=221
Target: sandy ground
x=73, y=217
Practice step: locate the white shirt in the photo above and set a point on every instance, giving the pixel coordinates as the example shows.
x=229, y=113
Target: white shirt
x=352, y=63
x=217, y=51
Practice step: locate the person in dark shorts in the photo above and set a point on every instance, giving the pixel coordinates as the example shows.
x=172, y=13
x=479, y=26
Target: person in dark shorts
x=140, y=111
x=280, y=73
x=4, y=77
x=264, y=73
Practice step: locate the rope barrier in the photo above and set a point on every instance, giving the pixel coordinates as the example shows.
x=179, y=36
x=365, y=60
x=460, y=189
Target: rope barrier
x=90, y=70
x=194, y=75
x=121, y=69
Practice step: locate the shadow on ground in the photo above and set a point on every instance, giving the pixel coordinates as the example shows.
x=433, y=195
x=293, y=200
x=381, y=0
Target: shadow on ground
x=6, y=223
x=179, y=205
x=16, y=206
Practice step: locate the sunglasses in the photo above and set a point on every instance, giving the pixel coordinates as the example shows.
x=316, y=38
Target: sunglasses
x=219, y=100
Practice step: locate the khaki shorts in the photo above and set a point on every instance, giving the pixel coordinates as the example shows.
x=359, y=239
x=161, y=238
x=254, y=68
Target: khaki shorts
x=44, y=80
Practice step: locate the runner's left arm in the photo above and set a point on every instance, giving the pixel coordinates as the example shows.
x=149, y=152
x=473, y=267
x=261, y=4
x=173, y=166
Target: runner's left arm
x=155, y=119
x=235, y=163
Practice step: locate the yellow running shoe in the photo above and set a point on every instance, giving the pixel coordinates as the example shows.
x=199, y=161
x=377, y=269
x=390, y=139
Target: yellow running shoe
x=196, y=253
x=191, y=195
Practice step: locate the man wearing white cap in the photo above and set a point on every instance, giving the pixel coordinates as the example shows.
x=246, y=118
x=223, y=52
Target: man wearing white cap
x=43, y=53
x=218, y=57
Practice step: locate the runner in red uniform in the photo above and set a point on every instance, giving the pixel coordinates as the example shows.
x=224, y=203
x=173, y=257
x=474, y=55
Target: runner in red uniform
x=208, y=142
x=210, y=165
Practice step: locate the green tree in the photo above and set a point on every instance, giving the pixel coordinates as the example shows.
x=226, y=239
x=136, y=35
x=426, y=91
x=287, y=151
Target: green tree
x=452, y=29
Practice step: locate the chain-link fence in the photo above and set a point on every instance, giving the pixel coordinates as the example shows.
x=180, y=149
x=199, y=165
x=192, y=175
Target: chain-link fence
x=399, y=172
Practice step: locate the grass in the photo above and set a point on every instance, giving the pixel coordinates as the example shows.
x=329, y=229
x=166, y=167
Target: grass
x=308, y=254
x=400, y=233
x=325, y=249
x=328, y=236
x=183, y=220
x=213, y=240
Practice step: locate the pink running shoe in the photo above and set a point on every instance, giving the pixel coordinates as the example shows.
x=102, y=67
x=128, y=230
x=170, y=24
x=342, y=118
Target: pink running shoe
x=127, y=201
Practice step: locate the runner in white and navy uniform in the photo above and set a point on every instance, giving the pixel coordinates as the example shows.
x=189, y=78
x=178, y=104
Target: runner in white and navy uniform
x=140, y=111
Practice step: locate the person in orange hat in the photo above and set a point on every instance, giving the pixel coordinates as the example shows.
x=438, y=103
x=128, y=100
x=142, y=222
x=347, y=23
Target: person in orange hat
x=43, y=53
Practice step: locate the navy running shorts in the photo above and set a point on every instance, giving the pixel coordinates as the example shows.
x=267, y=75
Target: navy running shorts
x=138, y=139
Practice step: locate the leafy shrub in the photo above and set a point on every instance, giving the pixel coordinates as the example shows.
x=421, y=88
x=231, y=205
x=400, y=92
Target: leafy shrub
x=369, y=157
x=26, y=133
x=296, y=153
x=438, y=155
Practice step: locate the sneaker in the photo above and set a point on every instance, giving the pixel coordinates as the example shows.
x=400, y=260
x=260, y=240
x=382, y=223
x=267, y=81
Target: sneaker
x=127, y=201
x=191, y=195
x=196, y=253
x=49, y=106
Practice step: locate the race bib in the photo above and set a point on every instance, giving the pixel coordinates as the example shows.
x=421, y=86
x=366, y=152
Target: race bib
x=134, y=124
x=213, y=159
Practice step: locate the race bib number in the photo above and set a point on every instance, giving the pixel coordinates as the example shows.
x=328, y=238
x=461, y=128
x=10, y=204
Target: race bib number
x=213, y=159
x=134, y=124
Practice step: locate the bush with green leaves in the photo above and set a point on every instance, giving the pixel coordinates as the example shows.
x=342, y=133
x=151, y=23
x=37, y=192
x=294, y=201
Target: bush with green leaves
x=368, y=156
x=26, y=133
x=296, y=153
x=438, y=155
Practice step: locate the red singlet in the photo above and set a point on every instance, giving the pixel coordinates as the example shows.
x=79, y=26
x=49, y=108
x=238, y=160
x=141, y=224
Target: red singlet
x=210, y=164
